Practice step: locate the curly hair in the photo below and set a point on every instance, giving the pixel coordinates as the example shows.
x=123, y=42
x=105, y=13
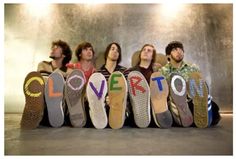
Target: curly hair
x=173, y=45
x=66, y=50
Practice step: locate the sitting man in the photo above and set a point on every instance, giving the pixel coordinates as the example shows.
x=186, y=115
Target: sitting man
x=176, y=65
x=35, y=110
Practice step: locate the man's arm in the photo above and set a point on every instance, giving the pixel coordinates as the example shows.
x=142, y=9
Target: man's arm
x=44, y=68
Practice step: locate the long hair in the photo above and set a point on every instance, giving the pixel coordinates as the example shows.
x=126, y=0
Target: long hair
x=108, y=49
x=153, y=53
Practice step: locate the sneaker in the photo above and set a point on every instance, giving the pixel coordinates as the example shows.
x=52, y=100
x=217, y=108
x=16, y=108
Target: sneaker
x=73, y=94
x=96, y=92
x=139, y=94
x=118, y=97
x=178, y=95
x=34, y=101
x=210, y=114
x=53, y=97
x=159, y=93
x=210, y=111
x=174, y=112
x=198, y=92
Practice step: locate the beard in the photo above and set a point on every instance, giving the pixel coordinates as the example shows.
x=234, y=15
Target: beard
x=177, y=60
x=52, y=57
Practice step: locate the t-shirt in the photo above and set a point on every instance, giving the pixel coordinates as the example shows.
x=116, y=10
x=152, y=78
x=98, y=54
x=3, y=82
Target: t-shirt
x=78, y=65
x=107, y=74
x=146, y=72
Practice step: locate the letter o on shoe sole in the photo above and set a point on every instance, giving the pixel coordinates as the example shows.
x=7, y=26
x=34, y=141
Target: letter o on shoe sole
x=75, y=83
x=178, y=95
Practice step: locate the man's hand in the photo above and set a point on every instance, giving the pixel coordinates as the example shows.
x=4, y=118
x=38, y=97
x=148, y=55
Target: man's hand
x=107, y=100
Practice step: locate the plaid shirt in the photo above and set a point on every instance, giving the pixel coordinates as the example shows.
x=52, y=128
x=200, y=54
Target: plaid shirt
x=185, y=69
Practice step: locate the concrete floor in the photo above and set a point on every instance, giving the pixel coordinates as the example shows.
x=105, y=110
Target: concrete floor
x=126, y=141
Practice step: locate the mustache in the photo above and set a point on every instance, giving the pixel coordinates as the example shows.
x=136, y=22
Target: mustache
x=180, y=58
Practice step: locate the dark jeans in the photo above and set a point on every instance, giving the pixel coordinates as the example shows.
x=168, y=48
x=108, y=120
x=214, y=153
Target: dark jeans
x=89, y=123
x=45, y=120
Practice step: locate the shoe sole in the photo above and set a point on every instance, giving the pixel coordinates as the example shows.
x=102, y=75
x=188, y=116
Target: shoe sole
x=117, y=95
x=159, y=93
x=199, y=93
x=96, y=92
x=53, y=97
x=174, y=112
x=139, y=93
x=33, y=89
x=75, y=83
x=178, y=93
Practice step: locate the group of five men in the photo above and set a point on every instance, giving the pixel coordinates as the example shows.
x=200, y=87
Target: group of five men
x=56, y=94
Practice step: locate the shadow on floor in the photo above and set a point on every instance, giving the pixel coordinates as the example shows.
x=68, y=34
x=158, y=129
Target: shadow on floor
x=126, y=141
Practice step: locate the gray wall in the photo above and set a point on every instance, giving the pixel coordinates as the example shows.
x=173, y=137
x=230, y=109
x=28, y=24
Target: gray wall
x=206, y=31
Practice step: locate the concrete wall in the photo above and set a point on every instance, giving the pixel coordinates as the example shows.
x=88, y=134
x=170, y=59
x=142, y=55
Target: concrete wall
x=206, y=31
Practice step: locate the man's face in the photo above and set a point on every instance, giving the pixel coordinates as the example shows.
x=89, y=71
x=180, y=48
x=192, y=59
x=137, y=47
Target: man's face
x=56, y=52
x=113, y=54
x=177, y=55
x=147, y=53
x=87, y=54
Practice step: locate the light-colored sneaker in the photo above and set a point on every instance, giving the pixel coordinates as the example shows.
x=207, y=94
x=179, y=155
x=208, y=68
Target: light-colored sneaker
x=139, y=94
x=96, y=91
x=117, y=93
x=210, y=113
x=53, y=96
x=159, y=93
x=75, y=83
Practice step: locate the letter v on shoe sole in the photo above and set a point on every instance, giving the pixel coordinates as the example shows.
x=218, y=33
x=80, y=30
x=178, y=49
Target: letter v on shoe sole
x=159, y=93
x=96, y=91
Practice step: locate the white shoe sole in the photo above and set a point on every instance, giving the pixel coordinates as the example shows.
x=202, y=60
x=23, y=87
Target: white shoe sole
x=96, y=92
